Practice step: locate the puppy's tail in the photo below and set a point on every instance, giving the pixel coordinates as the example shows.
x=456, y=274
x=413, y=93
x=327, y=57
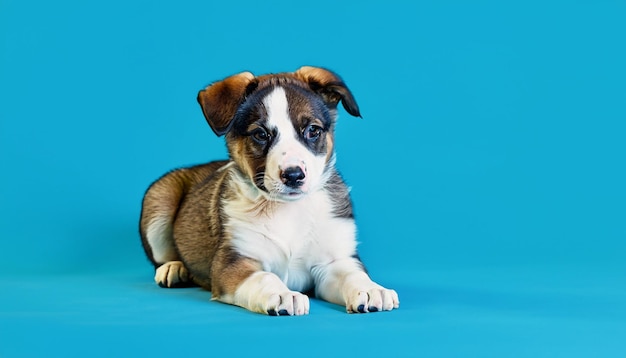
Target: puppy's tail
x=160, y=207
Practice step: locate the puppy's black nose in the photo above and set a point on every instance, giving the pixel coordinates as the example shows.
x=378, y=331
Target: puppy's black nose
x=293, y=177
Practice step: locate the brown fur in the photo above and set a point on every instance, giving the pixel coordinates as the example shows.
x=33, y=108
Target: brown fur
x=163, y=197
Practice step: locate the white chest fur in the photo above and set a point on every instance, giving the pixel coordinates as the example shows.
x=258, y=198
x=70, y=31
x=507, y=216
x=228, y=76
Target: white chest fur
x=290, y=238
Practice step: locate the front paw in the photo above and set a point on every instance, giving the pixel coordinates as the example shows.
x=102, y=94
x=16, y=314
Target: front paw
x=372, y=300
x=288, y=303
x=264, y=292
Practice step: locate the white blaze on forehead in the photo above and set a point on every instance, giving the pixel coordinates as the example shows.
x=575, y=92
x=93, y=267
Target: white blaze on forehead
x=278, y=112
x=288, y=150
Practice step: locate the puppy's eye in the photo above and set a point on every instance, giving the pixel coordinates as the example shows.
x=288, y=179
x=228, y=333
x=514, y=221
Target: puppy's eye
x=312, y=132
x=260, y=135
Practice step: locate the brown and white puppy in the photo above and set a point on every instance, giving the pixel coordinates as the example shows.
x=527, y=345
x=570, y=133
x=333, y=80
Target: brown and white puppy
x=276, y=218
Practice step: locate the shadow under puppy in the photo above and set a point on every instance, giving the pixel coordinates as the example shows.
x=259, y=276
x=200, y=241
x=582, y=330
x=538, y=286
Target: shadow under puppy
x=273, y=220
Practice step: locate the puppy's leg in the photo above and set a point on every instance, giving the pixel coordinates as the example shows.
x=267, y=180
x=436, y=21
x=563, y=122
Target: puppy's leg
x=170, y=271
x=159, y=208
x=345, y=282
x=242, y=283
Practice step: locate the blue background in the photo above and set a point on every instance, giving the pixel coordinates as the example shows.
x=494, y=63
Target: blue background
x=488, y=172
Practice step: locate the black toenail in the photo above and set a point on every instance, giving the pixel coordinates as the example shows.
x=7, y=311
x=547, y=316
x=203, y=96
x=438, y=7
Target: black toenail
x=272, y=312
x=373, y=309
x=361, y=308
x=283, y=313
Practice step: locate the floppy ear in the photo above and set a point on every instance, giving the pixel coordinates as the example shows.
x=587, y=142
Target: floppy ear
x=220, y=100
x=330, y=86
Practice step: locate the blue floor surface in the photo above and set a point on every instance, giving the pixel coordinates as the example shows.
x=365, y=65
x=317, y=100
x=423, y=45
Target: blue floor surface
x=516, y=312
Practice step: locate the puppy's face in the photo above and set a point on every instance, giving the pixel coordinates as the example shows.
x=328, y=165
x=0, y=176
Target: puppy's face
x=281, y=130
x=282, y=138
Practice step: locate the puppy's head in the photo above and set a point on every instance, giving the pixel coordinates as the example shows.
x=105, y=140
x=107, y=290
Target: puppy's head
x=279, y=128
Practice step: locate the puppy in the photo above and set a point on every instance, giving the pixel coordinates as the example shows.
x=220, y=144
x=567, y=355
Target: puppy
x=275, y=219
